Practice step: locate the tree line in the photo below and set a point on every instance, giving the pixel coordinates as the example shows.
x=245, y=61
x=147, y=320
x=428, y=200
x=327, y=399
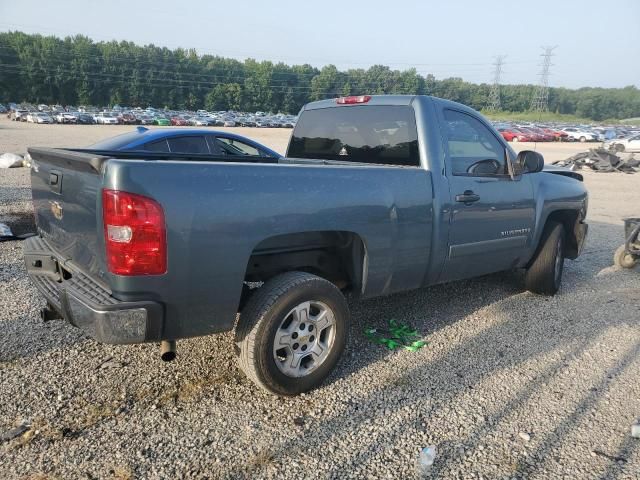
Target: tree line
x=78, y=71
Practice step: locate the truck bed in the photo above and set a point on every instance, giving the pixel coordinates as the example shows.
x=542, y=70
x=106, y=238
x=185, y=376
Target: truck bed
x=219, y=211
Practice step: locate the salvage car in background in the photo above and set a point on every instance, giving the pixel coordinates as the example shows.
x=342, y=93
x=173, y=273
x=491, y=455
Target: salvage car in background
x=127, y=119
x=628, y=144
x=161, y=121
x=104, y=118
x=183, y=140
x=66, y=117
x=39, y=117
x=580, y=135
x=85, y=119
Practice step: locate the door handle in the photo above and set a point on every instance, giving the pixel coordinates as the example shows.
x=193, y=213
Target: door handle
x=468, y=197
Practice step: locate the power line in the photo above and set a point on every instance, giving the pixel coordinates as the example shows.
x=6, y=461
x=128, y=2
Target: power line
x=122, y=80
x=540, y=99
x=135, y=62
x=204, y=51
x=494, y=95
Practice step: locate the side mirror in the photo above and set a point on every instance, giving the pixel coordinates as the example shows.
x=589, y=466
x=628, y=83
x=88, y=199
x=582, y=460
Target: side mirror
x=529, y=161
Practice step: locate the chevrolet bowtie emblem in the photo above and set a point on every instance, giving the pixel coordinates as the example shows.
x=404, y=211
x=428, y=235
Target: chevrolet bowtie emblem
x=56, y=209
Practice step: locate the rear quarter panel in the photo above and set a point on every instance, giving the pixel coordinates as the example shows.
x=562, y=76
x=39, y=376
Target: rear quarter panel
x=217, y=213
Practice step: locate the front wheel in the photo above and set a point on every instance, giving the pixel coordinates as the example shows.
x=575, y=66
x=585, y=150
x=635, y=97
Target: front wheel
x=583, y=139
x=292, y=332
x=544, y=274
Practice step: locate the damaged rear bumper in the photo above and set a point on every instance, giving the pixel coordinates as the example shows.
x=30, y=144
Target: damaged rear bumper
x=85, y=303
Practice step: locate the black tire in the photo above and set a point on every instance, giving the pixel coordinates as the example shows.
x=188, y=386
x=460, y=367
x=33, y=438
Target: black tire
x=263, y=316
x=624, y=259
x=544, y=274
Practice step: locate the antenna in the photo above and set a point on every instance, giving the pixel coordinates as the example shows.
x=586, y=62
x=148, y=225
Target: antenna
x=494, y=94
x=540, y=99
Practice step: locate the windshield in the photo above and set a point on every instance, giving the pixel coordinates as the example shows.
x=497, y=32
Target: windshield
x=383, y=135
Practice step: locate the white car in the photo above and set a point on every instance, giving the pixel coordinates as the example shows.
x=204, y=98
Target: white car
x=66, y=117
x=627, y=144
x=580, y=135
x=106, y=119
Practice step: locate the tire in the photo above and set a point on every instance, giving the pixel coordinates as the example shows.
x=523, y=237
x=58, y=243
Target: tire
x=276, y=312
x=544, y=274
x=515, y=139
x=583, y=139
x=624, y=259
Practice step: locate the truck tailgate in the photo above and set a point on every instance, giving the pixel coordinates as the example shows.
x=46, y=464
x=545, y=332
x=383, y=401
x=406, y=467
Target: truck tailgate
x=66, y=187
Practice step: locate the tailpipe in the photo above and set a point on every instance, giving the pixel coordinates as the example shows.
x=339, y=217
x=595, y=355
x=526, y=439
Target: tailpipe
x=168, y=350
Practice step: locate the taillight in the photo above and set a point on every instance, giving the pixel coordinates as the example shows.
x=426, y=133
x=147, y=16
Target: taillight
x=353, y=99
x=134, y=234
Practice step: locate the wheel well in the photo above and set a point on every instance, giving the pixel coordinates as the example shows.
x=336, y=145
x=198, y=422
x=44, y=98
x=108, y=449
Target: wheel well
x=337, y=256
x=568, y=218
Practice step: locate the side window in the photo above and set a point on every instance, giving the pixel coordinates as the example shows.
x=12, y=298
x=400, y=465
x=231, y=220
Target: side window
x=473, y=148
x=157, y=146
x=188, y=145
x=230, y=146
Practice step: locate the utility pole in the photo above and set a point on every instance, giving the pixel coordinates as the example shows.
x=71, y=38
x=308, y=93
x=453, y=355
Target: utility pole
x=540, y=99
x=494, y=94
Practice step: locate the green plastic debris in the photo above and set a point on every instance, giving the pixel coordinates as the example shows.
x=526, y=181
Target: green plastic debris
x=396, y=336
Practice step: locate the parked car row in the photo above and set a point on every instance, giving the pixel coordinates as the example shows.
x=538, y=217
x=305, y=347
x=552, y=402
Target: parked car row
x=150, y=116
x=561, y=133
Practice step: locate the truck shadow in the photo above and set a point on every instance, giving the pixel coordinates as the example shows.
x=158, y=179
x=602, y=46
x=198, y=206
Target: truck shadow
x=415, y=387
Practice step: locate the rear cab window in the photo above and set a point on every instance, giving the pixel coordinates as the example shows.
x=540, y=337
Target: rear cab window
x=383, y=135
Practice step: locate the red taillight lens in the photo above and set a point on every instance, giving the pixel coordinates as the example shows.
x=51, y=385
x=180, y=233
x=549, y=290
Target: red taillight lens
x=134, y=234
x=353, y=99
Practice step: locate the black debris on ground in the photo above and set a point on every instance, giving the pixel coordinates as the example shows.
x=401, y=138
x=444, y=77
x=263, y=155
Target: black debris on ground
x=601, y=160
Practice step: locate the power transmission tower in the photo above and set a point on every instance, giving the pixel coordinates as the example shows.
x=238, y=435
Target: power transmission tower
x=494, y=94
x=540, y=99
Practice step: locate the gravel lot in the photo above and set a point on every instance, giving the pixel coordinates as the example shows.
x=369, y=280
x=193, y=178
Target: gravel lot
x=510, y=385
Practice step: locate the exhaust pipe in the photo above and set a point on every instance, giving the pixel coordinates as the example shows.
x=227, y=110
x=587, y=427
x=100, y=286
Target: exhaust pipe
x=167, y=350
x=48, y=313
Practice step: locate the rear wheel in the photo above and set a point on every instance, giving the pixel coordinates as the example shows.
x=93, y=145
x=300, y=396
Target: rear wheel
x=544, y=275
x=292, y=333
x=583, y=139
x=624, y=259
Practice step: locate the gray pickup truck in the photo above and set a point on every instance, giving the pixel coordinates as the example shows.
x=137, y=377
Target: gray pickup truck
x=376, y=195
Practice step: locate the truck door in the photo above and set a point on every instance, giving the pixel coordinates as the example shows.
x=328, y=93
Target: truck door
x=492, y=215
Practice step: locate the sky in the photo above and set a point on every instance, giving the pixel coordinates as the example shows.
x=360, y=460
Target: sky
x=598, y=42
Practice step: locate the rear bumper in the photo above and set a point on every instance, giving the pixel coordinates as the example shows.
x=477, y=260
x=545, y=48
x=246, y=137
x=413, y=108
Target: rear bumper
x=85, y=303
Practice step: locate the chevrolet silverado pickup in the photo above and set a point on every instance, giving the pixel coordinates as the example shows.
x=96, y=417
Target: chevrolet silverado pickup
x=376, y=195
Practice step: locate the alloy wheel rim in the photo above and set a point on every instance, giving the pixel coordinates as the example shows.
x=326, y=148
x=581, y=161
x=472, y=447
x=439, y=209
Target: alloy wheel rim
x=304, y=338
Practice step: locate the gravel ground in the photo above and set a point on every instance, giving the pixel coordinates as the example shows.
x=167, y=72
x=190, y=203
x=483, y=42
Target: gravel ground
x=510, y=385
